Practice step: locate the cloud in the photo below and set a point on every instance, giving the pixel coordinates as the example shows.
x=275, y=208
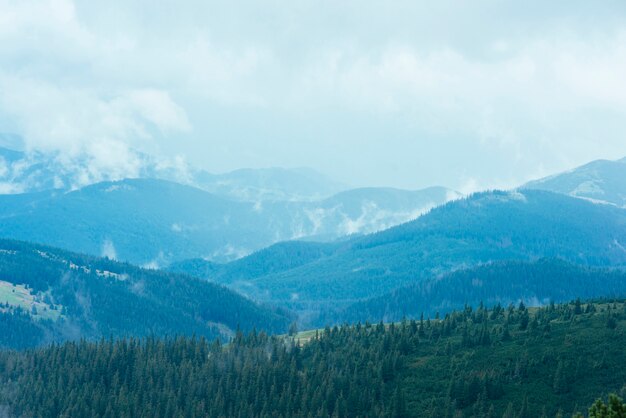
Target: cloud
x=56, y=102
x=484, y=88
x=53, y=118
x=536, y=75
x=157, y=107
x=108, y=250
x=10, y=188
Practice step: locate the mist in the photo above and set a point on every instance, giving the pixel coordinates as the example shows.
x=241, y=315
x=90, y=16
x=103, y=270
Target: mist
x=468, y=96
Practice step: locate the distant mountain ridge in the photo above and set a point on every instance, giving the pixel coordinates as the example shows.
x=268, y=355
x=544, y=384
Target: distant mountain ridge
x=486, y=227
x=34, y=171
x=600, y=181
x=155, y=222
x=273, y=184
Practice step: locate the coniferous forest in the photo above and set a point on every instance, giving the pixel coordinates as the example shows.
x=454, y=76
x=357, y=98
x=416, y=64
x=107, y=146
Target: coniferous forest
x=509, y=361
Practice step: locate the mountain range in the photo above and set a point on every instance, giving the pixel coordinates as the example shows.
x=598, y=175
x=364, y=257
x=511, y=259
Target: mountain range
x=35, y=171
x=151, y=221
x=522, y=225
x=266, y=234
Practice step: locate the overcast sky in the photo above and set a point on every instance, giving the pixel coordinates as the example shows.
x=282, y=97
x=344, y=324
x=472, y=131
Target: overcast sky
x=467, y=94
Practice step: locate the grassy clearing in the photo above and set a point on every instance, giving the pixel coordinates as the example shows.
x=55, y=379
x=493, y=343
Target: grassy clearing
x=17, y=295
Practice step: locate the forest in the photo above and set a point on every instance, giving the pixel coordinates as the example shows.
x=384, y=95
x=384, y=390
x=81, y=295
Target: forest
x=508, y=361
x=510, y=281
x=51, y=295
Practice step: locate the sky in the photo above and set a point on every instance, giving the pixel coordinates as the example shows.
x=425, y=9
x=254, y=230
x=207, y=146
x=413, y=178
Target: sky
x=469, y=95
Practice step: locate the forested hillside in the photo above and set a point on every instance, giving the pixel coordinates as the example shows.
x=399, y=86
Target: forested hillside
x=274, y=259
x=504, y=282
x=485, y=227
x=50, y=295
x=504, y=362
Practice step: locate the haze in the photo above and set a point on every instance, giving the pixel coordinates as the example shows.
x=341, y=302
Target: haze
x=469, y=95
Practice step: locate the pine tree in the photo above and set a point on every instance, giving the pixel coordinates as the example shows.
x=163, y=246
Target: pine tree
x=615, y=408
x=509, y=412
x=578, y=307
x=560, y=379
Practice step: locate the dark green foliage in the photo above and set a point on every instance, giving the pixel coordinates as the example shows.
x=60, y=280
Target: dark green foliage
x=100, y=297
x=453, y=370
x=196, y=267
x=499, y=282
x=19, y=330
x=615, y=408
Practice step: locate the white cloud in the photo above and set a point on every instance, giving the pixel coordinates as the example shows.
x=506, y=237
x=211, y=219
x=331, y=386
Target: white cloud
x=265, y=84
x=158, y=108
x=108, y=250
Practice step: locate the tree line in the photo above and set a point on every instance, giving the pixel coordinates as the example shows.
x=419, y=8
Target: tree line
x=501, y=362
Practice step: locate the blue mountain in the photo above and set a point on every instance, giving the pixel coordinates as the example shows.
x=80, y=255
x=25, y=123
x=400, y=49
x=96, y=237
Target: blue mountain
x=155, y=222
x=600, y=181
x=486, y=227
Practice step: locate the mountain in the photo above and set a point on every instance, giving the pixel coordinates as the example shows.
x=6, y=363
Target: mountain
x=155, y=222
x=142, y=221
x=511, y=362
x=503, y=282
x=35, y=171
x=490, y=226
x=371, y=209
x=600, y=181
x=47, y=294
x=277, y=258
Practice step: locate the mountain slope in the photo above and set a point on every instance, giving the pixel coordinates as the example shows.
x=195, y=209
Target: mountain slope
x=141, y=221
x=600, y=181
x=156, y=222
x=277, y=258
x=485, y=227
x=503, y=282
x=34, y=171
x=48, y=294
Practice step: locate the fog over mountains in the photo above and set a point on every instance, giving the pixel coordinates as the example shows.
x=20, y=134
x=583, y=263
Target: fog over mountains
x=170, y=213
x=294, y=240
x=34, y=171
x=483, y=228
x=312, y=209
